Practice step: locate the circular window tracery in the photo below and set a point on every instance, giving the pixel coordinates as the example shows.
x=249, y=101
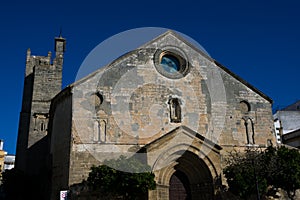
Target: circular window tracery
x=171, y=63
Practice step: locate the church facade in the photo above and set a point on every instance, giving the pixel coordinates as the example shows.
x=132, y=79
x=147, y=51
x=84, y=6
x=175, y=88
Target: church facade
x=167, y=101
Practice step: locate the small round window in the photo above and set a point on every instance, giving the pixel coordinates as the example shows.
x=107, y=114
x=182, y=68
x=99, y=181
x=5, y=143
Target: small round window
x=245, y=106
x=171, y=63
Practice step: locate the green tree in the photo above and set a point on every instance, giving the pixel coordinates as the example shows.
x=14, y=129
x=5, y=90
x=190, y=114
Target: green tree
x=245, y=173
x=284, y=168
x=132, y=183
x=252, y=172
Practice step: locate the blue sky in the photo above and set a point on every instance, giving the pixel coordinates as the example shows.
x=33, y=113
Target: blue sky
x=258, y=40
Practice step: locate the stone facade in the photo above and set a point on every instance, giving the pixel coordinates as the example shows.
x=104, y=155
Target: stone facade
x=43, y=80
x=167, y=102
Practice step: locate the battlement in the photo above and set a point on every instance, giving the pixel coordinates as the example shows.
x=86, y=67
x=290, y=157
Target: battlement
x=43, y=80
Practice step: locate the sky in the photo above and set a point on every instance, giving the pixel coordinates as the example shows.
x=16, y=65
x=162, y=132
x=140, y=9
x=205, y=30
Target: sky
x=258, y=40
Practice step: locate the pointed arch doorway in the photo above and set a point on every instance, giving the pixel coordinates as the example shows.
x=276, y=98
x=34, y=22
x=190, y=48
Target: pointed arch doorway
x=191, y=179
x=186, y=166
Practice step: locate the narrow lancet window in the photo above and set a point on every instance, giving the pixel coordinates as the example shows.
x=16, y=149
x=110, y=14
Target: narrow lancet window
x=102, y=131
x=175, y=110
x=96, y=131
x=249, y=127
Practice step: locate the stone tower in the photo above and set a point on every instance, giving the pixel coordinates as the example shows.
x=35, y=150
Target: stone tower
x=43, y=80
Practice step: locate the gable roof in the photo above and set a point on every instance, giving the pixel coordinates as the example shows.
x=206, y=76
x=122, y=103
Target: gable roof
x=243, y=81
x=182, y=39
x=222, y=67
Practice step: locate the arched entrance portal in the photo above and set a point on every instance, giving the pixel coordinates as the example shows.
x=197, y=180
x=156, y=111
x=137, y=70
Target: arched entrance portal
x=186, y=166
x=191, y=179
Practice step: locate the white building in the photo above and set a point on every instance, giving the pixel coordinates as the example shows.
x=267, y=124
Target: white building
x=9, y=162
x=6, y=161
x=287, y=120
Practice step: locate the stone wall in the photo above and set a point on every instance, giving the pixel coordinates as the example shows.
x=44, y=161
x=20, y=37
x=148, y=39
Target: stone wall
x=61, y=142
x=43, y=80
x=122, y=107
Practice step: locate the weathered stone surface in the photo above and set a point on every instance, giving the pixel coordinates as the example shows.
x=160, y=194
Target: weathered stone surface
x=135, y=113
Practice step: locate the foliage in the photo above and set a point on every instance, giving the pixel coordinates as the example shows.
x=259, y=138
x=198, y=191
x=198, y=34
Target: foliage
x=127, y=184
x=255, y=170
x=243, y=172
x=286, y=169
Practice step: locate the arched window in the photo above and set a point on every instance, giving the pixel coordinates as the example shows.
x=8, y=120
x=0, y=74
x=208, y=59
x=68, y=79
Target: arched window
x=40, y=122
x=95, y=100
x=100, y=130
x=249, y=127
x=96, y=131
x=43, y=127
x=245, y=106
x=175, y=110
x=103, y=131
